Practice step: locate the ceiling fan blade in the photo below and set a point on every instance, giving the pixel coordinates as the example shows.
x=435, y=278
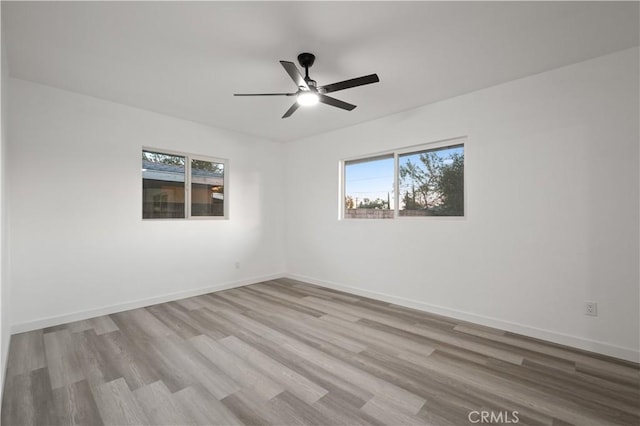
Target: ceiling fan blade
x=295, y=75
x=291, y=110
x=347, y=84
x=263, y=94
x=335, y=102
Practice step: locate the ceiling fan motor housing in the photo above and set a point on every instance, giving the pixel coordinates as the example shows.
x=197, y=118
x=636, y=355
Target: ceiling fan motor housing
x=306, y=59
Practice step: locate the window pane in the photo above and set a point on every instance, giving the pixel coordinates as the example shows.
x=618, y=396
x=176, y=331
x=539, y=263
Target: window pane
x=369, y=188
x=162, y=185
x=207, y=188
x=431, y=182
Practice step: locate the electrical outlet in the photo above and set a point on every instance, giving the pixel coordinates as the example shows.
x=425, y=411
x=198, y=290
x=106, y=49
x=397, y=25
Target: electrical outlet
x=237, y=265
x=591, y=308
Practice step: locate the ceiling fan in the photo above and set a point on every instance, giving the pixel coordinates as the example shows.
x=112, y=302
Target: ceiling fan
x=309, y=93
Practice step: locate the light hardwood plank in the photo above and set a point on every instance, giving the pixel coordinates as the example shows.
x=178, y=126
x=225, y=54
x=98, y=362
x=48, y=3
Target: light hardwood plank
x=74, y=405
x=159, y=407
x=289, y=379
x=27, y=353
x=117, y=404
x=63, y=361
x=238, y=369
x=204, y=408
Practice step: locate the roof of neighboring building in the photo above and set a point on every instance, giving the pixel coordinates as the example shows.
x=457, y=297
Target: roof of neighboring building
x=177, y=169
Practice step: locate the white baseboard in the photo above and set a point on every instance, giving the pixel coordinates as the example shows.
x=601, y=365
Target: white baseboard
x=628, y=354
x=140, y=303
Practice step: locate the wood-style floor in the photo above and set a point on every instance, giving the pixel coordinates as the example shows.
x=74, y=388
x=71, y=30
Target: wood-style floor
x=288, y=353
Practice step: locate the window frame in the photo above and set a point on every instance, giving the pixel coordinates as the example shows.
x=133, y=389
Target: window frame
x=187, y=184
x=396, y=153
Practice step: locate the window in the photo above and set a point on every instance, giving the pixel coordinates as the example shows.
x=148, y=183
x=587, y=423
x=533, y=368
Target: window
x=163, y=177
x=207, y=188
x=368, y=188
x=179, y=186
x=431, y=182
x=425, y=181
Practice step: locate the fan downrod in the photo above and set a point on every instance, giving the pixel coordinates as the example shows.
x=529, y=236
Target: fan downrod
x=306, y=60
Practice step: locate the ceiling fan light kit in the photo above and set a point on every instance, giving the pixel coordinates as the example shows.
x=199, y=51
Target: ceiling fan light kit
x=309, y=93
x=307, y=98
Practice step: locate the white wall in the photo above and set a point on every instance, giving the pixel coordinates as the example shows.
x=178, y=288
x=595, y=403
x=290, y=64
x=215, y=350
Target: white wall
x=552, y=209
x=78, y=244
x=4, y=252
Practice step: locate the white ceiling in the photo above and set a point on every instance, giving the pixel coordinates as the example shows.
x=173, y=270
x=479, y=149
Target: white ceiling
x=187, y=59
